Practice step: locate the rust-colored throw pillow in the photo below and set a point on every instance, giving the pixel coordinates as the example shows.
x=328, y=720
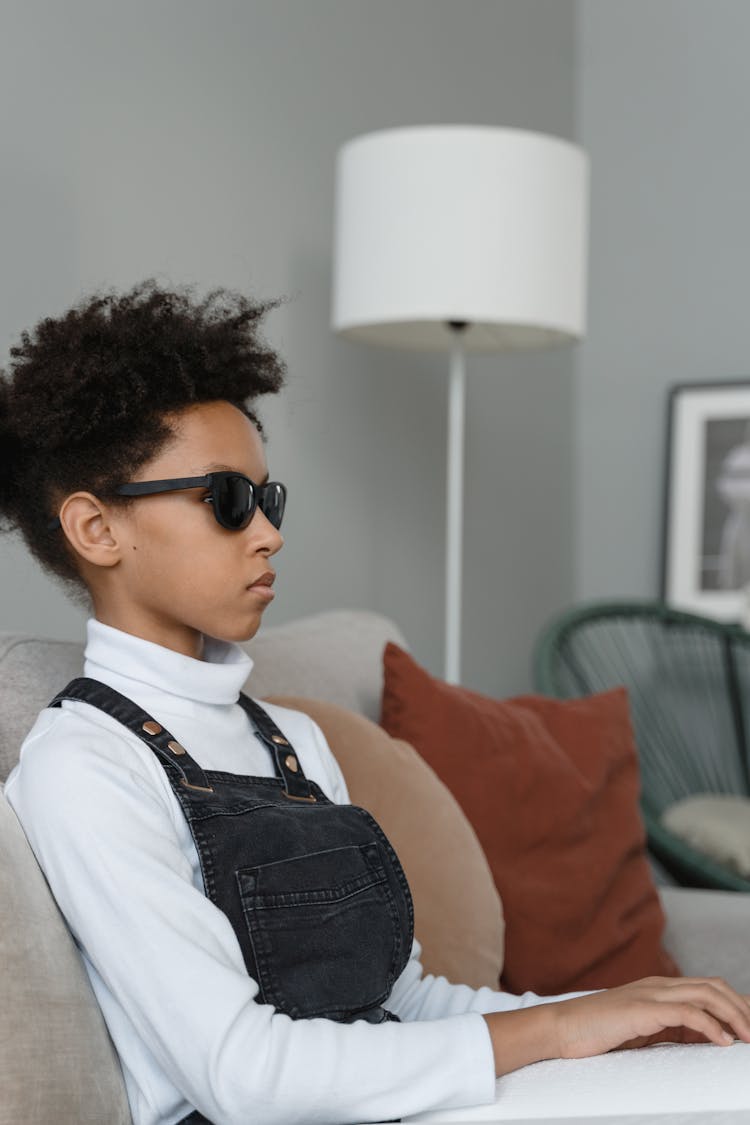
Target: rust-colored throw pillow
x=458, y=917
x=551, y=788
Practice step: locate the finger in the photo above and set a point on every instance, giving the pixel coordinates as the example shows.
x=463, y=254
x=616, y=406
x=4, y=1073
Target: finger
x=719, y=999
x=696, y=1018
x=715, y=982
x=742, y=1002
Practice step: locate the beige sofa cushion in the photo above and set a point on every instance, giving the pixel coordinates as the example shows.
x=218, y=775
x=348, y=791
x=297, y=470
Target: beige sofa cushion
x=336, y=655
x=32, y=671
x=457, y=911
x=57, y=1061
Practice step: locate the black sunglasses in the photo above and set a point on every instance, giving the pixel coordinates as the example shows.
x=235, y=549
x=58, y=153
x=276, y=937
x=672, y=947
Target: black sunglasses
x=234, y=497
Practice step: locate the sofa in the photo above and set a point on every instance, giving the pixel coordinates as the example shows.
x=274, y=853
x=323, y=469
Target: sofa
x=57, y=1063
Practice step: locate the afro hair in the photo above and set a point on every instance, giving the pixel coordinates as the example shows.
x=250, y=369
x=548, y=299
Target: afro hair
x=83, y=403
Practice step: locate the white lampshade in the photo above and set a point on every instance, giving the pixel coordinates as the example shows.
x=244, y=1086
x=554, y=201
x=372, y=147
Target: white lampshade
x=460, y=223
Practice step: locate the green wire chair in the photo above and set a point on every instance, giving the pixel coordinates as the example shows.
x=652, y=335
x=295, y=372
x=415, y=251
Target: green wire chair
x=688, y=681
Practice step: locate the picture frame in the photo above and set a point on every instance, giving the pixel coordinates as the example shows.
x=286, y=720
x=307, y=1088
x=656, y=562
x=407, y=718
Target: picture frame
x=706, y=537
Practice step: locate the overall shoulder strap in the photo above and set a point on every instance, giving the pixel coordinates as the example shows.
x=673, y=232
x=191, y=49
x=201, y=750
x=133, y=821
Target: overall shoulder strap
x=169, y=751
x=287, y=764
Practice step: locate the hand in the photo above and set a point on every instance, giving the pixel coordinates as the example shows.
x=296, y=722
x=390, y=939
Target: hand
x=657, y=1009
x=654, y=1010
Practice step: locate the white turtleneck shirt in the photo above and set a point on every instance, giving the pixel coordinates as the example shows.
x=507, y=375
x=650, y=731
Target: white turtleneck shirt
x=164, y=961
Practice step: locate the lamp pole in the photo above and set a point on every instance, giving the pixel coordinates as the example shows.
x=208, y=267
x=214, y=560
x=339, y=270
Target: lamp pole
x=454, y=502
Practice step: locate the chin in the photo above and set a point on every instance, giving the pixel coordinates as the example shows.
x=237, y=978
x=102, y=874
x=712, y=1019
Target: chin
x=238, y=631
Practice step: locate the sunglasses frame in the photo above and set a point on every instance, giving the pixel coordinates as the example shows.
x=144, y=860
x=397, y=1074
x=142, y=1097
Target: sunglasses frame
x=178, y=484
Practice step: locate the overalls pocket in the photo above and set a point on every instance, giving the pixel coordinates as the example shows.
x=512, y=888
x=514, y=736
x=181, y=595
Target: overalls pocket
x=321, y=925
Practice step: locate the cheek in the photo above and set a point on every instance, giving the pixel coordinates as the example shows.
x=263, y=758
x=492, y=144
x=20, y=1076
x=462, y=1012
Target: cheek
x=198, y=572
x=159, y=559
x=181, y=558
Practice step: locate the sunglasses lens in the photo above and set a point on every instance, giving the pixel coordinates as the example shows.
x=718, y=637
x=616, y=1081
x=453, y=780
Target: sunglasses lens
x=271, y=501
x=234, y=501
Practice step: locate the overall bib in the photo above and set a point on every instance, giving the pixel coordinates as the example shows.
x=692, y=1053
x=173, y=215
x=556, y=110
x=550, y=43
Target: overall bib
x=314, y=891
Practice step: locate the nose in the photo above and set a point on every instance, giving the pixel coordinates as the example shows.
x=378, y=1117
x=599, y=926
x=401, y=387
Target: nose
x=263, y=537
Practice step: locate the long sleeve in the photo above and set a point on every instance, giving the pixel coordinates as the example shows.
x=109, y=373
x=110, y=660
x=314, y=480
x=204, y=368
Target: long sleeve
x=168, y=971
x=419, y=996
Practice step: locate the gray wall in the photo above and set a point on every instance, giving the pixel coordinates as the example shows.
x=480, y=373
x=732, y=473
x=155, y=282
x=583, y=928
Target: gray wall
x=664, y=91
x=196, y=141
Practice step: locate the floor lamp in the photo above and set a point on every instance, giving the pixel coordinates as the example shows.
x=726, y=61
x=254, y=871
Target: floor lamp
x=460, y=239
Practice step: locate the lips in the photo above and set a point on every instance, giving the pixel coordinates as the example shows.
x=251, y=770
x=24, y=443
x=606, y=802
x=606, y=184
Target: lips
x=266, y=579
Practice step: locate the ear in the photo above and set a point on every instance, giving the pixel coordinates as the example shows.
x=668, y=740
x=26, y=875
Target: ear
x=88, y=527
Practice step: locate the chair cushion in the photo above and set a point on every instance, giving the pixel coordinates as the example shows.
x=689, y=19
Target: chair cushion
x=551, y=788
x=457, y=912
x=717, y=825
x=56, y=1057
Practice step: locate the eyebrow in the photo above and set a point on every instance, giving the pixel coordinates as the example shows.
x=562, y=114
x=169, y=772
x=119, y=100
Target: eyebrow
x=218, y=467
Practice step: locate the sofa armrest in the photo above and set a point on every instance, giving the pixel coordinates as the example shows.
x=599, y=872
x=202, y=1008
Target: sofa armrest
x=707, y=933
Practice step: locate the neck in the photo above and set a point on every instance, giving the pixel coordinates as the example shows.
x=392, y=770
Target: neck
x=180, y=638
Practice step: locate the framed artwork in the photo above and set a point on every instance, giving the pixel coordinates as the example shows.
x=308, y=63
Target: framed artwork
x=706, y=550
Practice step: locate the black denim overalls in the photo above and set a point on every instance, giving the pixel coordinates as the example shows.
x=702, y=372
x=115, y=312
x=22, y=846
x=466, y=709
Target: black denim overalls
x=314, y=891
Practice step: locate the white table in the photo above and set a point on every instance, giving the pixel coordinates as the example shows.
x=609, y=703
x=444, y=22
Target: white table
x=700, y=1117
x=663, y=1085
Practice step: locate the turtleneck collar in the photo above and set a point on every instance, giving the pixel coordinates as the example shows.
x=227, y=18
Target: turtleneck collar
x=217, y=678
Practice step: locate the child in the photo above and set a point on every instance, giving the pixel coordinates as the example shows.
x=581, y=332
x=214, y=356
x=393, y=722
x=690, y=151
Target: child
x=247, y=932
